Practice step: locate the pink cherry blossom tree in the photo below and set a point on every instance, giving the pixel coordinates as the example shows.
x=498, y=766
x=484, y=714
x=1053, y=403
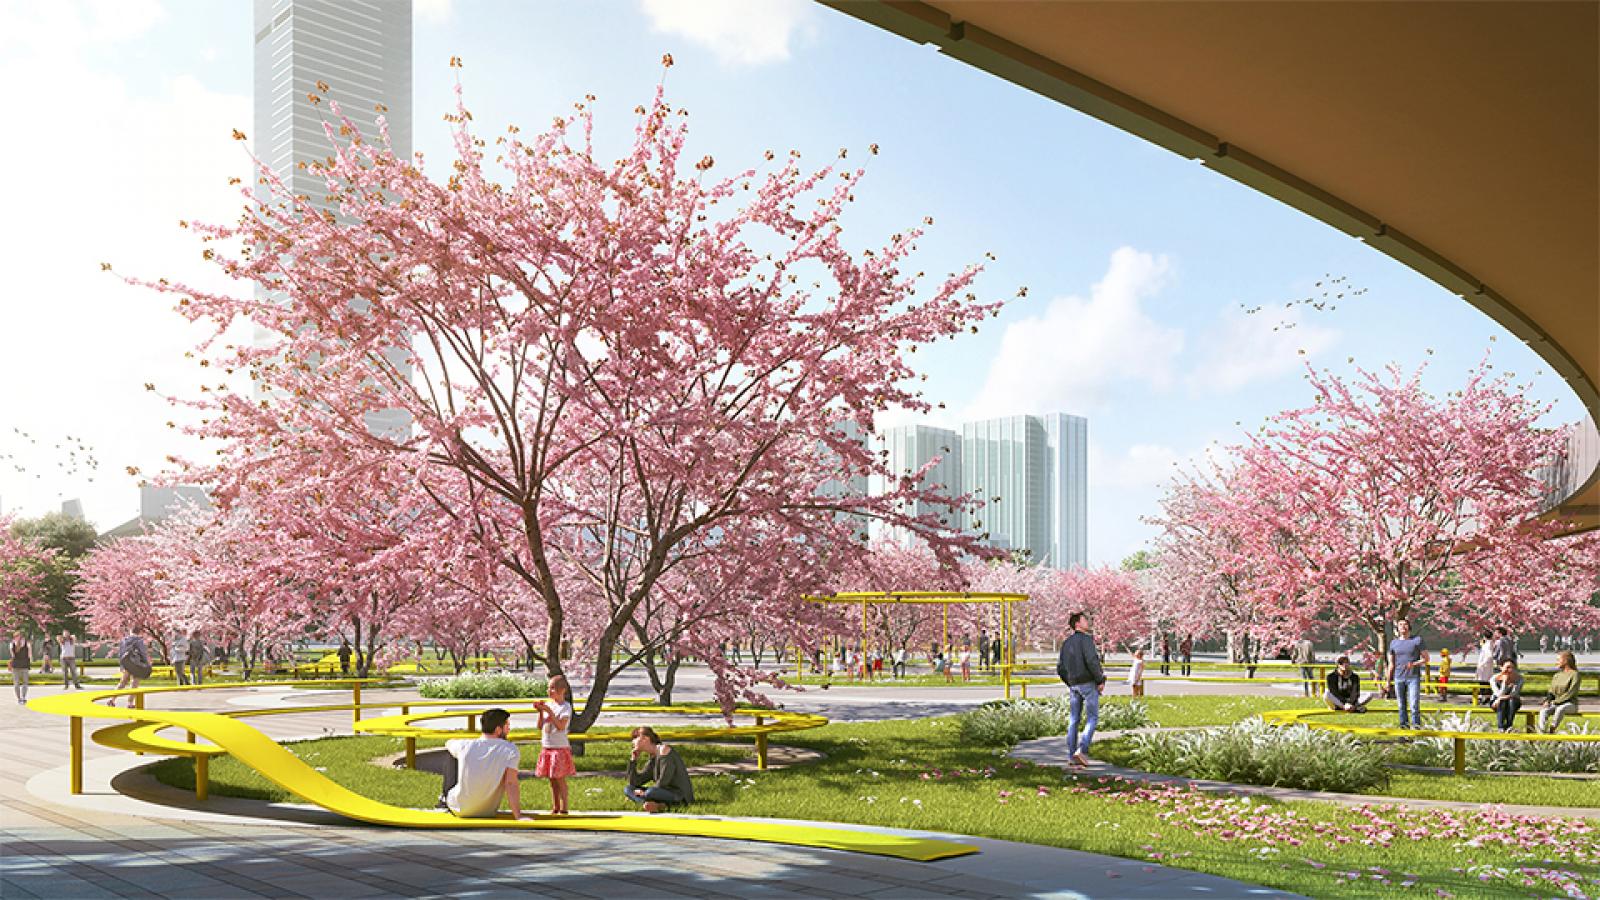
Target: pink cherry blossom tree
x=897, y=565
x=121, y=588
x=23, y=565
x=1207, y=581
x=602, y=364
x=352, y=547
x=1383, y=502
x=1114, y=600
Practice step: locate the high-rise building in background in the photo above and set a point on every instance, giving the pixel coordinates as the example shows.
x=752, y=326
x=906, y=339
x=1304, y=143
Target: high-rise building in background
x=361, y=49
x=906, y=449
x=1004, y=465
x=1031, y=472
x=1066, y=441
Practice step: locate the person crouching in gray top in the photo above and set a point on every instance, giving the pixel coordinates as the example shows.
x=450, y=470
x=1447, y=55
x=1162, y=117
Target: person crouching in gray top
x=654, y=761
x=1079, y=668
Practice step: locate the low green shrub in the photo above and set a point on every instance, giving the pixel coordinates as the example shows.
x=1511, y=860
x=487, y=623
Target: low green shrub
x=483, y=686
x=1006, y=722
x=1253, y=752
x=1508, y=756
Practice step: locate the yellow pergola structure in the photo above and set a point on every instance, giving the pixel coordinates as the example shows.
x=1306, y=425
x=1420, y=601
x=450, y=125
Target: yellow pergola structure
x=945, y=599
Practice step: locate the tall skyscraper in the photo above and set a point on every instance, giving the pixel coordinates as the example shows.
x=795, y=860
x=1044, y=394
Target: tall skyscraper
x=360, y=49
x=1066, y=440
x=910, y=447
x=1031, y=472
x=1005, y=464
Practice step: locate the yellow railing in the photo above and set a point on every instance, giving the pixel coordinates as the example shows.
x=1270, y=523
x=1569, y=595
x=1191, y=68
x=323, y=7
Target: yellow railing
x=1310, y=719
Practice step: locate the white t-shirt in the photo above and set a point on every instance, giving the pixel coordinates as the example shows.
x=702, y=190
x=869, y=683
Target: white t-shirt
x=1136, y=674
x=69, y=649
x=551, y=737
x=966, y=657
x=483, y=763
x=180, y=650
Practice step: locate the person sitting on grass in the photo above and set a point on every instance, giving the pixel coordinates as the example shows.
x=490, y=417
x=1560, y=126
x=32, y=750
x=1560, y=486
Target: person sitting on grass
x=1505, y=689
x=480, y=771
x=1344, y=689
x=653, y=761
x=1562, y=699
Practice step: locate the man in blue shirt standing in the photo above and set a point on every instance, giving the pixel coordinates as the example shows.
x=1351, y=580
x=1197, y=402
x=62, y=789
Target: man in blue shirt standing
x=1079, y=668
x=1408, y=659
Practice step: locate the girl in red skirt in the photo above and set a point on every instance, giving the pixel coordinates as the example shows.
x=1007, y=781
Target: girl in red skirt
x=555, y=753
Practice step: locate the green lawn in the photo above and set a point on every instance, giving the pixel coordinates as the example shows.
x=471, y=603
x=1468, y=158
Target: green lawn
x=348, y=760
x=917, y=774
x=1177, y=711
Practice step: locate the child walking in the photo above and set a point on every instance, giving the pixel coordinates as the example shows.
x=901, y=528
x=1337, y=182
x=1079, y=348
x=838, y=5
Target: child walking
x=1136, y=673
x=555, y=754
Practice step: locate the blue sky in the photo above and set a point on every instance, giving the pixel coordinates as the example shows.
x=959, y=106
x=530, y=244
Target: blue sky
x=1138, y=262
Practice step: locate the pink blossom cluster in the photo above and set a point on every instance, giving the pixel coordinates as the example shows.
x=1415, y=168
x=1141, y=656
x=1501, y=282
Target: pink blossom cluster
x=1378, y=502
x=23, y=567
x=606, y=410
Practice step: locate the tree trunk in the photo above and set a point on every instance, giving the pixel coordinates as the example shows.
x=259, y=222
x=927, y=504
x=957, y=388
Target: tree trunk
x=648, y=660
x=662, y=682
x=664, y=694
x=363, y=661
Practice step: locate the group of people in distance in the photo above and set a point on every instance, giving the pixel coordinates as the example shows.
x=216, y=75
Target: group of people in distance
x=1497, y=672
x=482, y=773
x=1185, y=653
x=187, y=654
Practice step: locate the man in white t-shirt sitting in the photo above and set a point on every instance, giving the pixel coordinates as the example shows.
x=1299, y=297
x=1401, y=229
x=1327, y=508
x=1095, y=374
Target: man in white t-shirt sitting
x=480, y=771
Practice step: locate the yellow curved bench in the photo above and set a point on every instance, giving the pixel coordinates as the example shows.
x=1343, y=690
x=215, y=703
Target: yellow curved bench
x=1300, y=717
x=278, y=765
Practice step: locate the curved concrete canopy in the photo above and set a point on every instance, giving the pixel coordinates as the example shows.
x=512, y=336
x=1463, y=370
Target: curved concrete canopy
x=1460, y=138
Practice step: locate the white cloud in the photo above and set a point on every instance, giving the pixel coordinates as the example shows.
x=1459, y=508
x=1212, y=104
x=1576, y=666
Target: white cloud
x=1127, y=485
x=100, y=172
x=69, y=26
x=739, y=32
x=1141, y=465
x=432, y=11
x=1248, y=347
x=1069, y=356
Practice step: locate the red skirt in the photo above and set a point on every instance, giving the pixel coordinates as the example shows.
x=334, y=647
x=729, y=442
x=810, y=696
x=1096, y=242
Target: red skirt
x=555, y=762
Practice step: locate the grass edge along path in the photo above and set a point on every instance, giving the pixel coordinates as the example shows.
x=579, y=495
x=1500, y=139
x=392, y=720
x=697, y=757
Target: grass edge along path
x=917, y=774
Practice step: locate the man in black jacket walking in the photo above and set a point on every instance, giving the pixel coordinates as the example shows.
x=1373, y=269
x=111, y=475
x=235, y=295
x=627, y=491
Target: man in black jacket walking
x=1079, y=668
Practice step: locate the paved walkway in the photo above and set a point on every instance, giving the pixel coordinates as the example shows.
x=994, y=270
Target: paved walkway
x=106, y=843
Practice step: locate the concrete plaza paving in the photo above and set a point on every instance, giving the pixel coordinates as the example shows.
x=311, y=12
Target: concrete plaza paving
x=160, y=843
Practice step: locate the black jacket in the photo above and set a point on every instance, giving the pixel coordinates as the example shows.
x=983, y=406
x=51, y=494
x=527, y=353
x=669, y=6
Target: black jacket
x=1345, y=690
x=1079, y=662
